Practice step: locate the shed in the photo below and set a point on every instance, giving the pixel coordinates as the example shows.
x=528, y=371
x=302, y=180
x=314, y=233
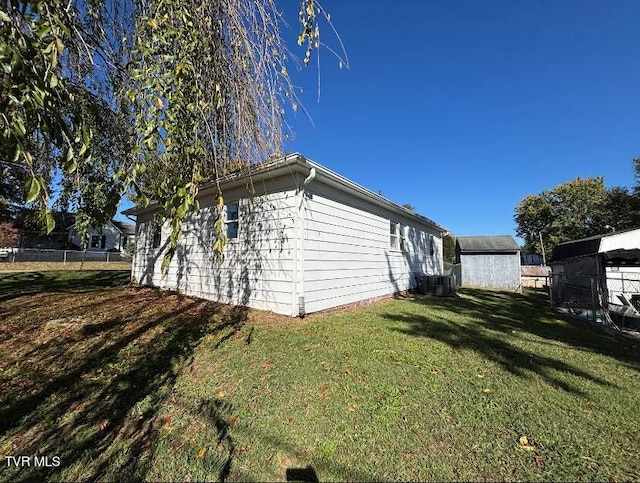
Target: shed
x=611, y=260
x=303, y=239
x=489, y=262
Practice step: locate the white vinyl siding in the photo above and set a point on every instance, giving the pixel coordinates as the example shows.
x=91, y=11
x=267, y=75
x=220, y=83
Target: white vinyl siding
x=257, y=270
x=349, y=252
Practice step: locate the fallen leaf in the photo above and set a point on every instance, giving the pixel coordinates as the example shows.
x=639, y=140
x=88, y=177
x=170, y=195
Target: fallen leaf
x=352, y=408
x=103, y=425
x=481, y=376
x=538, y=460
x=407, y=454
x=219, y=448
x=526, y=447
x=6, y=449
x=524, y=440
x=166, y=421
x=486, y=390
x=348, y=371
x=232, y=421
x=221, y=394
x=202, y=452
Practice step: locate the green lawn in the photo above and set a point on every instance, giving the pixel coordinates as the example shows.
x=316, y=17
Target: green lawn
x=129, y=383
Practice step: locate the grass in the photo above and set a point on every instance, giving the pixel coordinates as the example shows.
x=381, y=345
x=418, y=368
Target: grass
x=58, y=266
x=131, y=383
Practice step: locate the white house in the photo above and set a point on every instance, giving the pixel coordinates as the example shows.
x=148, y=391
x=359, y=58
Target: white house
x=115, y=235
x=301, y=238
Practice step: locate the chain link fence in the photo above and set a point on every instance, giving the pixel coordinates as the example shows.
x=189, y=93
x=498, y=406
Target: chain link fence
x=613, y=300
x=14, y=255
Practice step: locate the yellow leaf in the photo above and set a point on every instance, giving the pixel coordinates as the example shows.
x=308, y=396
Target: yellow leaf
x=481, y=376
x=348, y=371
x=202, y=452
x=524, y=440
x=352, y=408
x=526, y=447
x=159, y=103
x=153, y=24
x=220, y=200
x=221, y=394
x=486, y=390
x=6, y=449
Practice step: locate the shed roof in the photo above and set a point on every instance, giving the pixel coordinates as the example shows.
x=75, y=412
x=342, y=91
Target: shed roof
x=589, y=245
x=495, y=243
x=534, y=270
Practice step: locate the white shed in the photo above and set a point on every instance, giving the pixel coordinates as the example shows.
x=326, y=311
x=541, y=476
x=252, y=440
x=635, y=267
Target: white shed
x=306, y=239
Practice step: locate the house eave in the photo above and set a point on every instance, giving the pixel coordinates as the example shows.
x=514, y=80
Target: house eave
x=296, y=163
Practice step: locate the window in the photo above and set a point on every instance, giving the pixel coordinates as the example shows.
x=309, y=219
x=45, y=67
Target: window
x=393, y=235
x=157, y=237
x=404, y=246
x=398, y=236
x=95, y=241
x=431, y=245
x=232, y=220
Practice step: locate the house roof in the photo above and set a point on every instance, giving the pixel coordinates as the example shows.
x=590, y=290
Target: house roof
x=290, y=164
x=583, y=246
x=497, y=243
x=125, y=228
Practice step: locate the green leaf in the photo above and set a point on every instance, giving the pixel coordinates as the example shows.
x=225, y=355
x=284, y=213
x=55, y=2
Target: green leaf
x=51, y=223
x=32, y=189
x=4, y=17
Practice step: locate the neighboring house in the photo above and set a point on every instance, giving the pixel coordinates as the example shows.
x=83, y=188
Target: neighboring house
x=489, y=262
x=610, y=258
x=302, y=239
x=531, y=259
x=114, y=236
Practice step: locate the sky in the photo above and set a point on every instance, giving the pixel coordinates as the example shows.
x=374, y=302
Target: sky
x=464, y=107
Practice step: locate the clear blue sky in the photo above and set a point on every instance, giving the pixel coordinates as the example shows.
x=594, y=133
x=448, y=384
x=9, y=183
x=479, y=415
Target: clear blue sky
x=462, y=108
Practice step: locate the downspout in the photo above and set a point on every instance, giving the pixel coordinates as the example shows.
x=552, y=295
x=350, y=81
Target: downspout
x=301, y=238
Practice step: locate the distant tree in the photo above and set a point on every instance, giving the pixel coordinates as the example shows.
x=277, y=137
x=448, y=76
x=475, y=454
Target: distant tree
x=622, y=208
x=449, y=248
x=636, y=175
x=575, y=209
x=409, y=206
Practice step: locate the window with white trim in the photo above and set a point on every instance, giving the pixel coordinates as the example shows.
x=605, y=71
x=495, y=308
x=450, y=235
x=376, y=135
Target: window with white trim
x=95, y=241
x=157, y=237
x=232, y=220
x=394, y=242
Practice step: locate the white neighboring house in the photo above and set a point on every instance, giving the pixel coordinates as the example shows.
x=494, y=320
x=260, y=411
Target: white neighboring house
x=115, y=236
x=306, y=239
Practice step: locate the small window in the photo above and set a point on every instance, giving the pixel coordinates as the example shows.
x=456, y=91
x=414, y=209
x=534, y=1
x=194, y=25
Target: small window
x=394, y=241
x=95, y=241
x=232, y=220
x=431, y=245
x=157, y=238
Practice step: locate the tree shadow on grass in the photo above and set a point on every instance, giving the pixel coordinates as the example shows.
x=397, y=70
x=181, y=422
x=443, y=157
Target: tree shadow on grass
x=14, y=285
x=87, y=386
x=493, y=324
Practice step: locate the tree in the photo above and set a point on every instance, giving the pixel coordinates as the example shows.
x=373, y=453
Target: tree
x=189, y=88
x=576, y=209
x=449, y=248
x=409, y=206
x=571, y=210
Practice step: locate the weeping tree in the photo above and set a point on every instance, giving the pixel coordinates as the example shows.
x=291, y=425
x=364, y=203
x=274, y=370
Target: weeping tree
x=100, y=97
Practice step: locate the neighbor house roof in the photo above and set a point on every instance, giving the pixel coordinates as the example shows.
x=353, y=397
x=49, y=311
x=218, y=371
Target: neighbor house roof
x=125, y=228
x=484, y=244
x=290, y=164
